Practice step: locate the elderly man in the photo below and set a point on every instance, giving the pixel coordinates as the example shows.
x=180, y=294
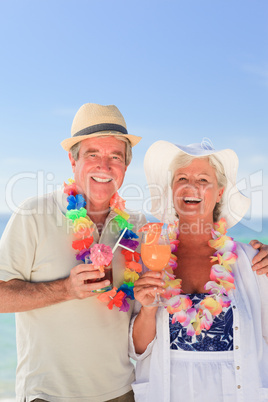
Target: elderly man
x=70, y=345
x=76, y=350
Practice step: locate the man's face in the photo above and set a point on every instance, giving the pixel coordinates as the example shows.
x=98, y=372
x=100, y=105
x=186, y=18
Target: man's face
x=100, y=169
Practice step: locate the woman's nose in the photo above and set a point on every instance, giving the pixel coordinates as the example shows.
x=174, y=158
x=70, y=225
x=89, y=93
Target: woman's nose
x=193, y=184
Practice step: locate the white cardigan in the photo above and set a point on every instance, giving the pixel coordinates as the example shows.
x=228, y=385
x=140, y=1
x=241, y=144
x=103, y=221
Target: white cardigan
x=250, y=314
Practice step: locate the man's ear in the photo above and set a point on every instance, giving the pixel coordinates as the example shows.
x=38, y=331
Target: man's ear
x=73, y=162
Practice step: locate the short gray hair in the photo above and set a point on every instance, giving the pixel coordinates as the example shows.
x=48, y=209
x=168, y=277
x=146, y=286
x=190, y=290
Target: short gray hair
x=76, y=148
x=186, y=160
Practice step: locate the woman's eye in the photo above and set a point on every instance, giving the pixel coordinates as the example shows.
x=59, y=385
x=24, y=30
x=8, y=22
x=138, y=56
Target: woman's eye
x=203, y=180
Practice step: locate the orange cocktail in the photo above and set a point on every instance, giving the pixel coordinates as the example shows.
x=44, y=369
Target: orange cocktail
x=155, y=256
x=155, y=251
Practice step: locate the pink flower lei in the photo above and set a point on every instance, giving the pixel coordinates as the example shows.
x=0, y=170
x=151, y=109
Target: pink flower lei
x=198, y=317
x=100, y=254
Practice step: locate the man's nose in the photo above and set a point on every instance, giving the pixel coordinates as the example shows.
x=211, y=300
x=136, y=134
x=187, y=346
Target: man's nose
x=104, y=163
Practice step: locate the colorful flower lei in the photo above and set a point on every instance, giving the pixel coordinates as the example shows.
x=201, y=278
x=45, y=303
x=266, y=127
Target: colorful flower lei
x=99, y=254
x=200, y=316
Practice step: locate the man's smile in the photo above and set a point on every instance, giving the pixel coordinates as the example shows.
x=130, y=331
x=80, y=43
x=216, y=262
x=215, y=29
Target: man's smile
x=101, y=180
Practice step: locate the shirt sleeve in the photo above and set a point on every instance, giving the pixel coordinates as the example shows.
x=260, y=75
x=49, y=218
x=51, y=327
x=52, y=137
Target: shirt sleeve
x=263, y=288
x=18, y=246
x=132, y=352
x=262, y=283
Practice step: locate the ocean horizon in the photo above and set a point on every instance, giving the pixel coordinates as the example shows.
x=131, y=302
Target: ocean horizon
x=253, y=229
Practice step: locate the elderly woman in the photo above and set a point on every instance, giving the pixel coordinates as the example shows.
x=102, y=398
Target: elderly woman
x=209, y=342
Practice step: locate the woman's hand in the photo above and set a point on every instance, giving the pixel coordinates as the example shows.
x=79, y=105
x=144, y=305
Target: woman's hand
x=147, y=286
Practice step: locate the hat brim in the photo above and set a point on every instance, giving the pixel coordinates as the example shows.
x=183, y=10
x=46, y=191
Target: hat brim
x=69, y=142
x=157, y=163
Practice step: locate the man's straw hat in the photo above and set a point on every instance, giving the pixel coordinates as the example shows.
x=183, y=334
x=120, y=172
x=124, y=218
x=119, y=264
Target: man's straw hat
x=93, y=120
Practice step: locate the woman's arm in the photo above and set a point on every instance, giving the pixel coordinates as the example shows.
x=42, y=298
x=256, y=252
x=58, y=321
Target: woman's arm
x=144, y=328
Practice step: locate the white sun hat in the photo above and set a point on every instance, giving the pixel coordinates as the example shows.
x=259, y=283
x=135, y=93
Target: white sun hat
x=157, y=164
x=93, y=120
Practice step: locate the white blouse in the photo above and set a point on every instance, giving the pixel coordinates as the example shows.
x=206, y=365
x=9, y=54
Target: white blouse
x=164, y=375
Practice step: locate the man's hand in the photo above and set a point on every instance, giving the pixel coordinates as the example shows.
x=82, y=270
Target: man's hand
x=260, y=261
x=82, y=281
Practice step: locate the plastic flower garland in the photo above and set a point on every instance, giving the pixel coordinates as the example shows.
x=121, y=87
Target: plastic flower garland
x=99, y=254
x=201, y=316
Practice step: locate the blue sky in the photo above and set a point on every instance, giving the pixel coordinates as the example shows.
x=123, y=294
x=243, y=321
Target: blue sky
x=177, y=70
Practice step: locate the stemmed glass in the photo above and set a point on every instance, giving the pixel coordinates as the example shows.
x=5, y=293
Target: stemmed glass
x=155, y=253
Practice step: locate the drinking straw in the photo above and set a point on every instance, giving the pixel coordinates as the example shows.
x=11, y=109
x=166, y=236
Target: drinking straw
x=120, y=245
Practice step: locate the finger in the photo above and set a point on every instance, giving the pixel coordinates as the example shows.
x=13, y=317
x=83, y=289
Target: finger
x=261, y=257
x=88, y=276
x=255, y=244
x=95, y=285
x=152, y=274
x=84, y=268
x=148, y=281
x=262, y=271
x=261, y=264
x=147, y=291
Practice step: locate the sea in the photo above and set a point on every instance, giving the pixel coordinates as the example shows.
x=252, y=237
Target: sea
x=244, y=232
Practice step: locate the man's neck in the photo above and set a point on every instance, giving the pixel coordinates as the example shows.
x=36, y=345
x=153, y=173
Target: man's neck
x=98, y=214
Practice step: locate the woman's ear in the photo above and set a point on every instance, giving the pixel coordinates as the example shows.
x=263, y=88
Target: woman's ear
x=220, y=194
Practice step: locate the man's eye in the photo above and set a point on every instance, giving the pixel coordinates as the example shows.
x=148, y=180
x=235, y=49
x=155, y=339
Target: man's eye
x=204, y=180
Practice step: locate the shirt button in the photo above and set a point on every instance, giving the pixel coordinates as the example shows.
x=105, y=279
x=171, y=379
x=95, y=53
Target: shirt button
x=234, y=306
x=237, y=347
x=236, y=328
x=239, y=386
x=238, y=368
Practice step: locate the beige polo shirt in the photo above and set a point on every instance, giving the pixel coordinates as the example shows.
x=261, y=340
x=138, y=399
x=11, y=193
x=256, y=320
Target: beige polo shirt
x=75, y=350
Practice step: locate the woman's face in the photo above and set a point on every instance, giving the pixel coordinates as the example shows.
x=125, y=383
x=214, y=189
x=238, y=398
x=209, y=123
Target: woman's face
x=195, y=190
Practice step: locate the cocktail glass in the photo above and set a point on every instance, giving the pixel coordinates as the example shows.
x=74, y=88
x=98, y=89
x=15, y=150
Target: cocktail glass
x=155, y=253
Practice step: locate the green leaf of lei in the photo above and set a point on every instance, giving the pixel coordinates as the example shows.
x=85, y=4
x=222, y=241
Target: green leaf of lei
x=76, y=213
x=122, y=223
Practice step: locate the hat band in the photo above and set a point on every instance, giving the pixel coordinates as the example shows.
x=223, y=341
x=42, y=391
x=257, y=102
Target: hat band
x=101, y=127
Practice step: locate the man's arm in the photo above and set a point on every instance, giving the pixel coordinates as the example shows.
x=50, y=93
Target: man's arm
x=17, y=295
x=260, y=261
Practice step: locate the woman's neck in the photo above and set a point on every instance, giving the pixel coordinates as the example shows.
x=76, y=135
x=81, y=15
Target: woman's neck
x=194, y=233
